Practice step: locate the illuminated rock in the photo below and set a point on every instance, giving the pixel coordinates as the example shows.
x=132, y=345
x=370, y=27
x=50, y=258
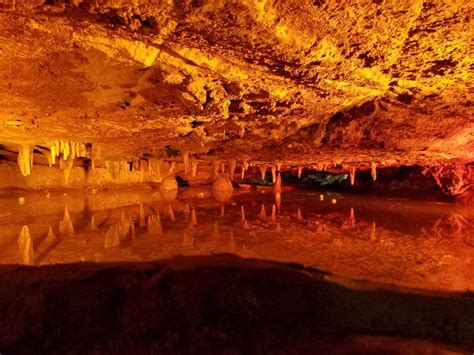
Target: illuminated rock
x=25, y=160
x=169, y=189
x=222, y=190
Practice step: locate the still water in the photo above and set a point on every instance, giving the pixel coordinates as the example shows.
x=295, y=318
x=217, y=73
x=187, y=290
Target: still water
x=414, y=244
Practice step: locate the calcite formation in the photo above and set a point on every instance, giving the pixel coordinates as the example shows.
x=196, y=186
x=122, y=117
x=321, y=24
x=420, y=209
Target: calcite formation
x=149, y=89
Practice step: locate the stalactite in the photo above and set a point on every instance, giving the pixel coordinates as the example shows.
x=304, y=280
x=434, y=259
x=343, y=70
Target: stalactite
x=232, y=245
x=263, y=213
x=278, y=228
x=171, y=213
x=278, y=165
x=194, y=218
x=172, y=166
x=273, y=215
x=186, y=211
x=245, y=164
x=278, y=199
x=25, y=160
x=112, y=237
x=273, y=173
x=222, y=168
x=73, y=150
x=372, y=231
x=53, y=154
x=352, y=220
x=132, y=228
x=263, y=171
x=242, y=214
x=66, y=150
x=186, y=161
x=142, y=223
x=242, y=172
x=50, y=236
x=277, y=186
x=66, y=228
x=143, y=168
x=222, y=214
x=215, y=168
x=93, y=225
x=28, y=252
x=300, y=170
x=352, y=172
x=215, y=232
x=23, y=237
x=67, y=168
x=299, y=216
x=373, y=170
x=194, y=167
x=122, y=217
x=154, y=224
x=232, y=165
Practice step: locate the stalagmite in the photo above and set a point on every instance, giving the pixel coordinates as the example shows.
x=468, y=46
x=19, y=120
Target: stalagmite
x=222, y=214
x=141, y=222
x=299, y=216
x=194, y=166
x=186, y=212
x=24, y=236
x=352, y=220
x=112, y=237
x=372, y=231
x=352, y=172
x=222, y=168
x=300, y=170
x=273, y=215
x=232, y=165
x=171, y=213
x=122, y=217
x=242, y=214
x=277, y=186
x=186, y=161
x=242, y=173
x=66, y=227
x=263, y=171
x=50, y=236
x=246, y=226
x=28, y=252
x=373, y=170
x=263, y=213
x=93, y=225
x=154, y=224
x=25, y=160
x=67, y=168
x=193, y=218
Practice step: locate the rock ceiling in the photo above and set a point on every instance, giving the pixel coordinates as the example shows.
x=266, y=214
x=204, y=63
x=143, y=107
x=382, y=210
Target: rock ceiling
x=296, y=81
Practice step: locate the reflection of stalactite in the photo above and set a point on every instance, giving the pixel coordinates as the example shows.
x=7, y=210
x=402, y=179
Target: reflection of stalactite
x=25, y=160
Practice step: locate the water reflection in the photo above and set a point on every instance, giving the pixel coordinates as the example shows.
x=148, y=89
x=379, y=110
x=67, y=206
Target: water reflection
x=401, y=242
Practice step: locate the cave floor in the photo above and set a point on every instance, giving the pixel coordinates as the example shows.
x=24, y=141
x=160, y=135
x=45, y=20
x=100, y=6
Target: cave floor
x=359, y=239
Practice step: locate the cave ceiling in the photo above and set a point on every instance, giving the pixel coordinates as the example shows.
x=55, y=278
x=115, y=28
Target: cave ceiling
x=296, y=81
